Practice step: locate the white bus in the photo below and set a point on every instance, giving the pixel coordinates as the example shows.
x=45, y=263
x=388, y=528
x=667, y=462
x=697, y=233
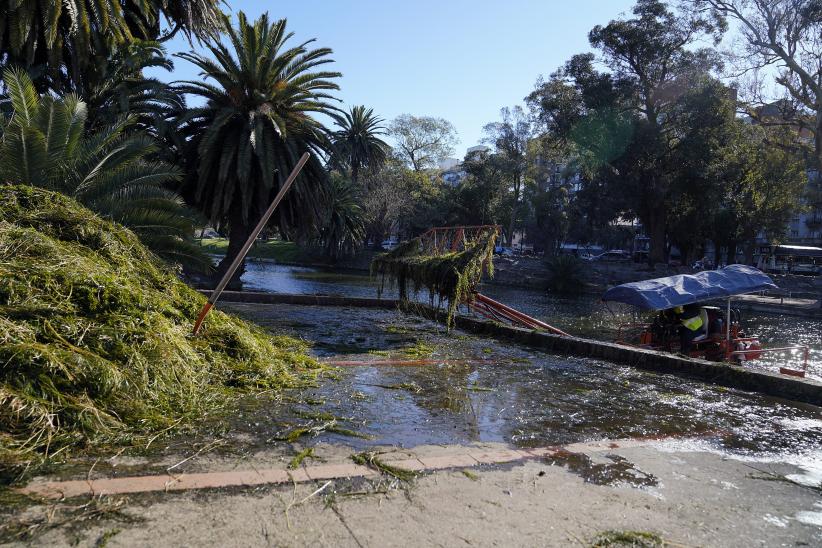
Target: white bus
x=790, y=259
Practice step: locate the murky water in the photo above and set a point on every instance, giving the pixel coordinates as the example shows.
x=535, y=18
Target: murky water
x=584, y=316
x=471, y=389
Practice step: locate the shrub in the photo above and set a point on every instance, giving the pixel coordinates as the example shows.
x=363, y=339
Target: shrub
x=566, y=274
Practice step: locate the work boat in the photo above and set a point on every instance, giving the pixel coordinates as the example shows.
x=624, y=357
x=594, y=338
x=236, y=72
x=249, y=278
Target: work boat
x=721, y=337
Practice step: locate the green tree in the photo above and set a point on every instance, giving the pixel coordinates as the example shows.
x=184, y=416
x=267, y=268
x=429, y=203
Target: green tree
x=357, y=144
x=255, y=124
x=761, y=191
x=422, y=141
x=623, y=127
x=783, y=36
x=479, y=198
x=652, y=62
x=343, y=228
x=62, y=43
x=386, y=198
x=510, y=138
x=703, y=119
x=44, y=143
x=125, y=90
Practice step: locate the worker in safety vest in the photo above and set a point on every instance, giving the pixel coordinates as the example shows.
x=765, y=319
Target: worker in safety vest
x=692, y=326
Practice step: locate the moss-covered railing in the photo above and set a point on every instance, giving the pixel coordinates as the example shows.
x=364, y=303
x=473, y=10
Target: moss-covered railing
x=450, y=274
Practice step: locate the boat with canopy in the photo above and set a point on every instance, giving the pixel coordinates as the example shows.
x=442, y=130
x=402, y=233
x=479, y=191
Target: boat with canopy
x=723, y=338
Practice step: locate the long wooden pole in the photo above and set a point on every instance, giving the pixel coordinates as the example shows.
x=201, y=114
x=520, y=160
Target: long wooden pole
x=235, y=264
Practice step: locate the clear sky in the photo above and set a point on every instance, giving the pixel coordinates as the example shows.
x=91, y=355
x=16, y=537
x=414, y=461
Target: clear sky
x=454, y=59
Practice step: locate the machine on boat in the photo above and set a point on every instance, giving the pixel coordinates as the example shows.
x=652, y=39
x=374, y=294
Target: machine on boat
x=722, y=338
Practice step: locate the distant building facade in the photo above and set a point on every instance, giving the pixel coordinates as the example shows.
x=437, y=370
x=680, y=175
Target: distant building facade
x=452, y=171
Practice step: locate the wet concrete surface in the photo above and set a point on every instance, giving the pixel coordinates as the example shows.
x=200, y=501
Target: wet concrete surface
x=698, y=499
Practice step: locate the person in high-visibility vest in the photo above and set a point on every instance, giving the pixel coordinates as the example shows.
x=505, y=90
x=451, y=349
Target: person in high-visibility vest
x=692, y=326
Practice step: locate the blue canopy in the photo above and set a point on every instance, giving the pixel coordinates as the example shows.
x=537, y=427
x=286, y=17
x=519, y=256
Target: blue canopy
x=664, y=293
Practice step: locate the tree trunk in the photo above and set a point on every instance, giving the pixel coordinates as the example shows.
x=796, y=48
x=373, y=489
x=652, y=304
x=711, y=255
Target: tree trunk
x=239, y=232
x=656, y=233
x=750, y=245
x=732, y=245
x=513, y=213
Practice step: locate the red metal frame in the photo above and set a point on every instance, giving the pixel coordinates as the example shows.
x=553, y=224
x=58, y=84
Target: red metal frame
x=490, y=308
x=447, y=239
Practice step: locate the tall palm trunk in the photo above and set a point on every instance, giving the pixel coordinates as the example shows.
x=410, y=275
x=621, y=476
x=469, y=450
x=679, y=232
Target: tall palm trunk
x=239, y=231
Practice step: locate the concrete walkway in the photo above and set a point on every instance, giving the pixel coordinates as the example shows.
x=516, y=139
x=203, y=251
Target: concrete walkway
x=659, y=491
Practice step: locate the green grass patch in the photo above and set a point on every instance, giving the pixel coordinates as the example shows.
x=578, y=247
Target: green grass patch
x=95, y=338
x=287, y=252
x=408, y=386
x=470, y=475
x=397, y=330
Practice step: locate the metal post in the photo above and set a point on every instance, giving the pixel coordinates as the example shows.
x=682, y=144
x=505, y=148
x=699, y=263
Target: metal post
x=235, y=264
x=728, y=325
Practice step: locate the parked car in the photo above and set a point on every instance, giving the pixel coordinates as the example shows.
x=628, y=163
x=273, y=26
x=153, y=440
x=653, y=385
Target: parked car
x=390, y=244
x=503, y=251
x=614, y=255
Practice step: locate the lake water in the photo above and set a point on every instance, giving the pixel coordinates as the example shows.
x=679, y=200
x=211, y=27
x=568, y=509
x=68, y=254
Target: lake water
x=462, y=389
x=583, y=316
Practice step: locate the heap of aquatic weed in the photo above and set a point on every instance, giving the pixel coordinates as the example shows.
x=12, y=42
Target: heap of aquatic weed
x=451, y=277
x=95, y=342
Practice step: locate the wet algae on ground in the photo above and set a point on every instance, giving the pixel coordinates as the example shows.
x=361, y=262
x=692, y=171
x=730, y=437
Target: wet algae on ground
x=95, y=344
x=451, y=277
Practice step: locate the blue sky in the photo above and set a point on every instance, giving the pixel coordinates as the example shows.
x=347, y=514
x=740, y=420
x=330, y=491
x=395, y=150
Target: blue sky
x=455, y=59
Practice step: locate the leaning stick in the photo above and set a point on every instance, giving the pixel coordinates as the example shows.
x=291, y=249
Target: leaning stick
x=235, y=264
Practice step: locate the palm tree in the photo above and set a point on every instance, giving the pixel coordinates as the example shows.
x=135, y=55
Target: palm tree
x=125, y=90
x=62, y=42
x=343, y=230
x=44, y=143
x=357, y=144
x=254, y=126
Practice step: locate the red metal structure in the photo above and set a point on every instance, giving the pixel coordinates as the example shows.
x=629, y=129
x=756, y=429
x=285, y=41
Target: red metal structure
x=448, y=239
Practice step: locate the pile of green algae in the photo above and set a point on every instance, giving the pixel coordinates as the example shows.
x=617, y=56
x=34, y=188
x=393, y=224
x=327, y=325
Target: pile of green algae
x=95, y=338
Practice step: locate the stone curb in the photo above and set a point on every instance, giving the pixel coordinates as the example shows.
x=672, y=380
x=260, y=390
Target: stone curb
x=250, y=478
